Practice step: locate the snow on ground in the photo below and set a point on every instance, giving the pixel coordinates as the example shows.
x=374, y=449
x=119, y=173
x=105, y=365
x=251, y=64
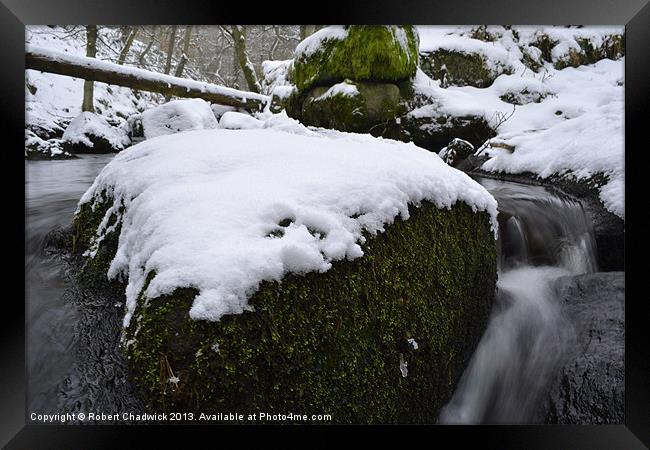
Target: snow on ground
x=88, y=124
x=576, y=130
x=238, y=187
x=177, y=116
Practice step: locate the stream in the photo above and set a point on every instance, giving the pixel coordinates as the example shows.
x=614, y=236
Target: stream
x=543, y=235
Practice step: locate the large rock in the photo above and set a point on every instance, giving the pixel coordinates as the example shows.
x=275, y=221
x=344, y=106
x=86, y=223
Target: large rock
x=90, y=133
x=351, y=106
x=177, y=116
x=383, y=338
x=456, y=68
x=356, y=52
x=590, y=387
x=435, y=132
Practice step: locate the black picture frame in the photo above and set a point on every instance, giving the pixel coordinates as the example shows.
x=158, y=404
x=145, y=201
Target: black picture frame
x=634, y=14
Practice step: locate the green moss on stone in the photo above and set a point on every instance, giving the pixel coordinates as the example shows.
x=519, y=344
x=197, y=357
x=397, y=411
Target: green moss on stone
x=368, y=53
x=85, y=225
x=372, y=110
x=331, y=343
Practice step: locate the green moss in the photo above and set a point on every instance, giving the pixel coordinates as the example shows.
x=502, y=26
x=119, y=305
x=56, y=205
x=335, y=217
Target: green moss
x=84, y=226
x=330, y=343
x=372, y=110
x=368, y=53
x=458, y=68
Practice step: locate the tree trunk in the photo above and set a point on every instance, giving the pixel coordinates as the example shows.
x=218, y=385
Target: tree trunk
x=239, y=41
x=91, y=52
x=170, y=49
x=141, y=59
x=127, y=46
x=139, y=79
x=186, y=49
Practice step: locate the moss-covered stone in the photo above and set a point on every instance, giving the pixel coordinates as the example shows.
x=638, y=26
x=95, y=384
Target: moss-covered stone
x=371, y=110
x=613, y=47
x=454, y=68
x=328, y=343
x=368, y=53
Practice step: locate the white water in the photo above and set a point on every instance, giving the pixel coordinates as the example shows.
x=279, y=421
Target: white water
x=542, y=237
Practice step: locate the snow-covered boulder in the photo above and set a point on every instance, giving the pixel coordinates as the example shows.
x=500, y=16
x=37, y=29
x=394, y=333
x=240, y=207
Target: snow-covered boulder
x=177, y=116
x=233, y=120
x=357, y=52
x=456, y=151
x=90, y=133
x=286, y=269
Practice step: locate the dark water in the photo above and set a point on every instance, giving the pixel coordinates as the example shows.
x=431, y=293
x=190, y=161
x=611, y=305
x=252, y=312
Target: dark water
x=543, y=235
x=73, y=353
x=65, y=371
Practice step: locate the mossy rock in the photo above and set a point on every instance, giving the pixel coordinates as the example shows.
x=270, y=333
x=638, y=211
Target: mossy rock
x=371, y=110
x=613, y=47
x=368, y=53
x=333, y=342
x=454, y=68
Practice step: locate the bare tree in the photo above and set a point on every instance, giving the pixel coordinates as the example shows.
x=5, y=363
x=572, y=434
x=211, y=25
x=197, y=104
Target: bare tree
x=170, y=49
x=186, y=50
x=143, y=55
x=238, y=35
x=127, y=45
x=91, y=51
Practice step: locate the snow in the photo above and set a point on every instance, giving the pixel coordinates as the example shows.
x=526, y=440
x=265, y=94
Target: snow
x=344, y=88
x=239, y=121
x=237, y=186
x=88, y=124
x=315, y=42
x=574, y=131
x=49, y=148
x=275, y=74
x=177, y=116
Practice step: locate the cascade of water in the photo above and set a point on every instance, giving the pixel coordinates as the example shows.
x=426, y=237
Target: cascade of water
x=542, y=236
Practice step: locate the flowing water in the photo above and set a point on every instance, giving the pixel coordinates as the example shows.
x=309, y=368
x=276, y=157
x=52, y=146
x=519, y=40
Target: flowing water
x=543, y=235
x=73, y=354
x=67, y=370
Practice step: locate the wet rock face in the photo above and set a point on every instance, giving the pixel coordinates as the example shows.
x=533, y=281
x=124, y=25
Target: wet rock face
x=590, y=386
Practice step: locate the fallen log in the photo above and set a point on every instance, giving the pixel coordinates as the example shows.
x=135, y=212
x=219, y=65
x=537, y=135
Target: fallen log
x=45, y=60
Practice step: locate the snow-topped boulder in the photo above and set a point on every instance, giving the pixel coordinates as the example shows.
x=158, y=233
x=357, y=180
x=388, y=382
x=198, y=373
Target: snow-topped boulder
x=90, y=133
x=456, y=151
x=286, y=269
x=177, y=116
x=357, y=52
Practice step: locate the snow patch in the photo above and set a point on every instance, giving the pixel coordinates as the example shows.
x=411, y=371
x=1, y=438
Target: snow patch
x=315, y=42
